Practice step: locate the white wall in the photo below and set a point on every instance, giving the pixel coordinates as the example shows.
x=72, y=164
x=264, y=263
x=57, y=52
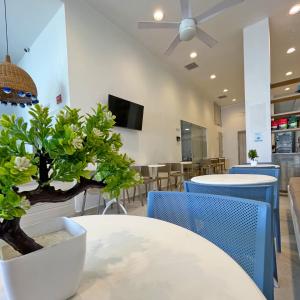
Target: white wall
x=48, y=66
x=47, y=63
x=233, y=120
x=104, y=59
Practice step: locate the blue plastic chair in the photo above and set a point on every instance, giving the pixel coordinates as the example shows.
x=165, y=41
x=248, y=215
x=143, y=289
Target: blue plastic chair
x=262, y=193
x=275, y=172
x=240, y=227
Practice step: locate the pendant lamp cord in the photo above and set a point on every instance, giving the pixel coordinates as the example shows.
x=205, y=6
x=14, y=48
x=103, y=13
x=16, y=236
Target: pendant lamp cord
x=6, y=30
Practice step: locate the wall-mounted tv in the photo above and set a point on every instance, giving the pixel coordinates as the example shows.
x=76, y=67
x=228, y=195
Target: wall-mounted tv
x=128, y=114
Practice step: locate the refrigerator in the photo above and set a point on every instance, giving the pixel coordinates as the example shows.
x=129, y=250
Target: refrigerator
x=285, y=142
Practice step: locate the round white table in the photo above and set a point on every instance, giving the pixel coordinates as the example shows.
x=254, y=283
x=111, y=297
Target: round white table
x=153, y=170
x=235, y=179
x=140, y=258
x=184, y=163
x=258, y=166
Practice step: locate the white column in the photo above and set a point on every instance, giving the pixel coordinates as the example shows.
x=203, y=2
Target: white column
x=257, y=68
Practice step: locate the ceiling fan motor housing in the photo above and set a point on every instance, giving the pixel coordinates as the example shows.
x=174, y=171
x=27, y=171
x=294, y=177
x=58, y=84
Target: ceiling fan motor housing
x=187, y=29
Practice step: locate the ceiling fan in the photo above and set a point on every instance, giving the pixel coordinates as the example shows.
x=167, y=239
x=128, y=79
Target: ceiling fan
x=189, y=26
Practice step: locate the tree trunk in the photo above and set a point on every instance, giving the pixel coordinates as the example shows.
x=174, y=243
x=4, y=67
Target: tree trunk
x=10, y=230
x=12, y=234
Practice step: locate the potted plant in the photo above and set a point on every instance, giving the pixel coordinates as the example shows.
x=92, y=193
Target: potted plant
x=252, y=154
x=49, y=150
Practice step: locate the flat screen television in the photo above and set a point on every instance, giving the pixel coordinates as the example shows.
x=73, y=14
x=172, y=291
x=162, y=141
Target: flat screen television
x=128, y=114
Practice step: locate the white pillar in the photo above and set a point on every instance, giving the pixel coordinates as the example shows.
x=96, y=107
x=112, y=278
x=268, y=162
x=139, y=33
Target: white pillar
x=257, y=68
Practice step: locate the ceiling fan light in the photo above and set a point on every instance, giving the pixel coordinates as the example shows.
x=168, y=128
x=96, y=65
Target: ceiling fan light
x=187, y=29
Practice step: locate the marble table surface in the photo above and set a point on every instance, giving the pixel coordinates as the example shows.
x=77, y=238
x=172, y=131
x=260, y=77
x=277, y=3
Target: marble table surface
x=141, y=258
x=235, y=179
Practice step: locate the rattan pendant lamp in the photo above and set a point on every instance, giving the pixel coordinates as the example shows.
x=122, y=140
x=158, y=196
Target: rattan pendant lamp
x=16, y=86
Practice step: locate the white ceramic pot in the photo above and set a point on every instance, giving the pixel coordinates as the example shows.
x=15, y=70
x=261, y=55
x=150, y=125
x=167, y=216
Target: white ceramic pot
x=51, y=273
x=253, y=163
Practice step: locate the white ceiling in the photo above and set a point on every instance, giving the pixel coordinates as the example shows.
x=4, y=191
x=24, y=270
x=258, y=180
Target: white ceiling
x=226, y=59
x=26, y=19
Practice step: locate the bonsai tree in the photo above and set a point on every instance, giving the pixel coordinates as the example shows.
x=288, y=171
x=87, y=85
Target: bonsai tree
x=252, y=154
x=56, y=149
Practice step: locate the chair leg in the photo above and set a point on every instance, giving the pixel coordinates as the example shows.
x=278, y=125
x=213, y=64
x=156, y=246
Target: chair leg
x=128, y=197
x=146, y=190
x=83, y=202
x=134, y=193
x=140, y=195
x=99, y=203
x=277, y=230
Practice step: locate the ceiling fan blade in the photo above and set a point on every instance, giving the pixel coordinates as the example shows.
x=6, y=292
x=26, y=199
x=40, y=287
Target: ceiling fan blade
x=206, y=38
x=186, y=12
x=158, y=25
x=217, y=9
x=173, y=45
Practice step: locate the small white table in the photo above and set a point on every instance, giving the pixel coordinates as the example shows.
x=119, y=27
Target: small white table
x=140, y=258
x=183, y=163
x=153, y=170
x=235, y=179
x=258, y=166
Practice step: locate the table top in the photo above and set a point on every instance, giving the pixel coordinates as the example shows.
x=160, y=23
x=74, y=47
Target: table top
x=156, y=166
x=141, y=258
x=257, y=166
x=235, y=179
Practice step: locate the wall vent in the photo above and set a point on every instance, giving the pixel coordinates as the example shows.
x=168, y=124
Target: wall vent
x=191, y=66
x=222, y=97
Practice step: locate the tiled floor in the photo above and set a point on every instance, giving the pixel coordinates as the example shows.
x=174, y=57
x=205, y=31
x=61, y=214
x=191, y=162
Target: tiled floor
x=288, y=260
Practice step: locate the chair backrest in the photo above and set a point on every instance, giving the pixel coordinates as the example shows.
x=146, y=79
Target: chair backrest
x=176, y=167
x=275, y=172
x=258, y=192
x=221, y=159
x=240, y=227
x=214, y=160
x=145, y=171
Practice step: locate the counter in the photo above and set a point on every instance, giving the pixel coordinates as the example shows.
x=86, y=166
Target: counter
x=290, y=167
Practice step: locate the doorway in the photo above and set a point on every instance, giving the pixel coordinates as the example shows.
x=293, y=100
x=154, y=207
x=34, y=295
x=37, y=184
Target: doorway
x=242, y=147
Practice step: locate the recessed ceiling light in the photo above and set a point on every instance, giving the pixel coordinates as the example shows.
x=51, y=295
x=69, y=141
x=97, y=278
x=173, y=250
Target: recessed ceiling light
x=291, y=50
x=187, y=129
x=295, y=9
x=225, y=90
x=213, y=76
x=287, y=89
x=193, y=55
x=158, y=15
x=289, y=73
x=234, y=100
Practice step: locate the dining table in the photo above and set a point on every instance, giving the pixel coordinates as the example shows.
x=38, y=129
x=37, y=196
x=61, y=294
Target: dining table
x=130, y=257
x=235, y=179
x=153, y=170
